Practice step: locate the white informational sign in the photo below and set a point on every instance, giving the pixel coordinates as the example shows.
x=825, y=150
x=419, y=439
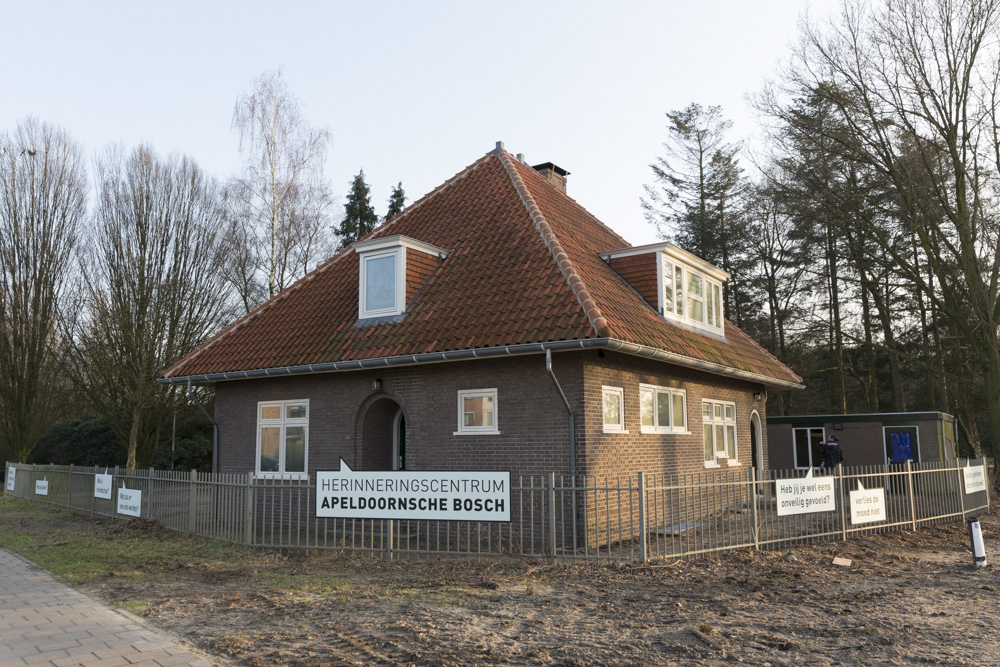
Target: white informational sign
x=424, y=495
x=975, y=479
x=867, y=505
x=805, y=495
x=102, y=486
x=130, y=502
x=41, y=487
x=11, y=474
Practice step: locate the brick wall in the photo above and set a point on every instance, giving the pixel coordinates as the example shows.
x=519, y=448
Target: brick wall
x=419, y=267
x=640, y=272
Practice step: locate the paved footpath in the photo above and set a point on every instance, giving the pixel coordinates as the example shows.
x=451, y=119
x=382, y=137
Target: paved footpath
x=44, y=622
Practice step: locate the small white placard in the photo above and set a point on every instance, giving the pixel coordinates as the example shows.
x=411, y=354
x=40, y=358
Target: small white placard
x=805, y=495
x=867, y=505
x=975, y=479
x=102, y=486
x=130, y=502
x=41, y=487
x=11, y=474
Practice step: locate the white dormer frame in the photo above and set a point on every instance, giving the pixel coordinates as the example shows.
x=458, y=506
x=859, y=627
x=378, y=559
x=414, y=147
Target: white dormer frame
x=689, y=270
x=394, y=247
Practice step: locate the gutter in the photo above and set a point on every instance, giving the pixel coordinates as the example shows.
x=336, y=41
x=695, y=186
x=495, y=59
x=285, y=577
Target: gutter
x=611, y=344
x=569, y=409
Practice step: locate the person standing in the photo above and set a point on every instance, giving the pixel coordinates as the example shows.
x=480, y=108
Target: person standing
x=833, y=454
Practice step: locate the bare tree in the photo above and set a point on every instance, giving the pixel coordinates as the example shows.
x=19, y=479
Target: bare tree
x=279, y=205
x=915, y=83
x=154, y=288
x=42, y=202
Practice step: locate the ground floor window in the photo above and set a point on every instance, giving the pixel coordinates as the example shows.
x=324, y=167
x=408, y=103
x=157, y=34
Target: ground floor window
x=662, y=410
x=719, y=426
x=613, y=408
x=477, y=412
x=806, y=448
x=282, y=437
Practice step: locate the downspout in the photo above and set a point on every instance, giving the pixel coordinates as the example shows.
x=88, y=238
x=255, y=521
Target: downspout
x=572, y=423
x=215, y=427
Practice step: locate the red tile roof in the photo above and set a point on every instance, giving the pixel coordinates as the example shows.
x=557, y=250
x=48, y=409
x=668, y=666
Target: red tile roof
x=522, y=268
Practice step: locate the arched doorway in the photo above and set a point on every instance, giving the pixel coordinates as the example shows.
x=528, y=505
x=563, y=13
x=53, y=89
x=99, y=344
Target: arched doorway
x=383, y=436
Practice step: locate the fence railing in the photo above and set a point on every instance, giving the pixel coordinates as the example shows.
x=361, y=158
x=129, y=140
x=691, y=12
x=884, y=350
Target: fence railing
x=581, y=518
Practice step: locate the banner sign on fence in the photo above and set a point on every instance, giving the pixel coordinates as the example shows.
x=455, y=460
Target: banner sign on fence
x=11, y=473
x=975, y=479
x=130, y=502
x=102, y=486
x=805, y=495
x=42, y=487
x=423, y=495
x=867, y=505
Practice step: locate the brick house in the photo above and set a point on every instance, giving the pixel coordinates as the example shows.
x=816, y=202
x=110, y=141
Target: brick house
x=493, y=325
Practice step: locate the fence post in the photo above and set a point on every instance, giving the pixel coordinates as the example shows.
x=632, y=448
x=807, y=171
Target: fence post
x=388, y=540
x=961, y=486
x=842, y=504
x=909, y=488
x=248, y=515
x=642, y=518
x=982, y=462
x=753, y=507
x=552, y=515
x=192, y=500
x=69, y=494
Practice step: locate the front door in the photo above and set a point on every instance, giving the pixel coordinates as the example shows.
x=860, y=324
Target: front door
x=901, y=444
x=399, y=442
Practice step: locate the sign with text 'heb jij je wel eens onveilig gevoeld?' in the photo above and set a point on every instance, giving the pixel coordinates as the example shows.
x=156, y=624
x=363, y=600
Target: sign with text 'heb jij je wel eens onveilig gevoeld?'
x=805, y=495
x=418, y=495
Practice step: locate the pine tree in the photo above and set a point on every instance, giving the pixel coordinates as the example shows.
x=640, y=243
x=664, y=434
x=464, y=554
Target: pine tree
x=359, y=216
x=397, y=202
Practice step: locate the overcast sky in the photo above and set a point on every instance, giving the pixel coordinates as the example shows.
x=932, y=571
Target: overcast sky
x=410, y=91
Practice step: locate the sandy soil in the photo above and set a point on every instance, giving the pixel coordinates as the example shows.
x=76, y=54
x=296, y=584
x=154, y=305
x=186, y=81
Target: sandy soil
x=907, y=598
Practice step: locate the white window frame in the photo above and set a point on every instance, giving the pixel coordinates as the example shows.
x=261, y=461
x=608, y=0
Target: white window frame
x=655, y=391
x=399, y=304
x=619, y=393
x=477, y=430
x=283, y=422
x=679, y=282
x=721, y=450
x=795, y=449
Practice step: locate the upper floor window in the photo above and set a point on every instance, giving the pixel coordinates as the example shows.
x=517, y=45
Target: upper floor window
x=392, y=269
x=683, y=287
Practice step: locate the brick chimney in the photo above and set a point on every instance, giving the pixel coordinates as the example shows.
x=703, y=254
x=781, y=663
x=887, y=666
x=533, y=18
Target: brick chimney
x=553, y=174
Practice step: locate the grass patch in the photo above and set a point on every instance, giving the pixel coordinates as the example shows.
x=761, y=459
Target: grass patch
x=81, y=550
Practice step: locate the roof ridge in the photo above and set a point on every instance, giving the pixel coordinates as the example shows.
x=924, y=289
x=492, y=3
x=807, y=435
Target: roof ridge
x=427, y=197
x=569, y=272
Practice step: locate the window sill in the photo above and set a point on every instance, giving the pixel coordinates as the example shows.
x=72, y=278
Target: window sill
x=614, y=431
x=660, y=431
x=712, y=464
x=476, y=433
x=733, y=464
x=292, y=476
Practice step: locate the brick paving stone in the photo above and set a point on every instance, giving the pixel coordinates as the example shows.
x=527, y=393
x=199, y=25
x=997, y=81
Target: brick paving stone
x=44, y=622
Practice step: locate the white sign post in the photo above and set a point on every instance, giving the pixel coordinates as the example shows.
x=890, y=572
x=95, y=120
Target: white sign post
x=975, y=479
x=424, y=495
x=11, y=474
x=102, y=486
x=130, y=502
x=806, y=495
x=42, y=487
x=867, y=505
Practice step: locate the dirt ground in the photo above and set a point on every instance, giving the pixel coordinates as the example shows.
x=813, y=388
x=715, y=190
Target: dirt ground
x=907, y=598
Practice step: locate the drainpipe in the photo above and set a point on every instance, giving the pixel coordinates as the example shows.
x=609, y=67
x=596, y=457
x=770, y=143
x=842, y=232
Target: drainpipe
x=572, y=425
x=215, y=427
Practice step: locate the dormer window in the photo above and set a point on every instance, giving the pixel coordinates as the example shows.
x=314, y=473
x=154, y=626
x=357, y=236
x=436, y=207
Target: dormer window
x=682, y=287
x=392, y=270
